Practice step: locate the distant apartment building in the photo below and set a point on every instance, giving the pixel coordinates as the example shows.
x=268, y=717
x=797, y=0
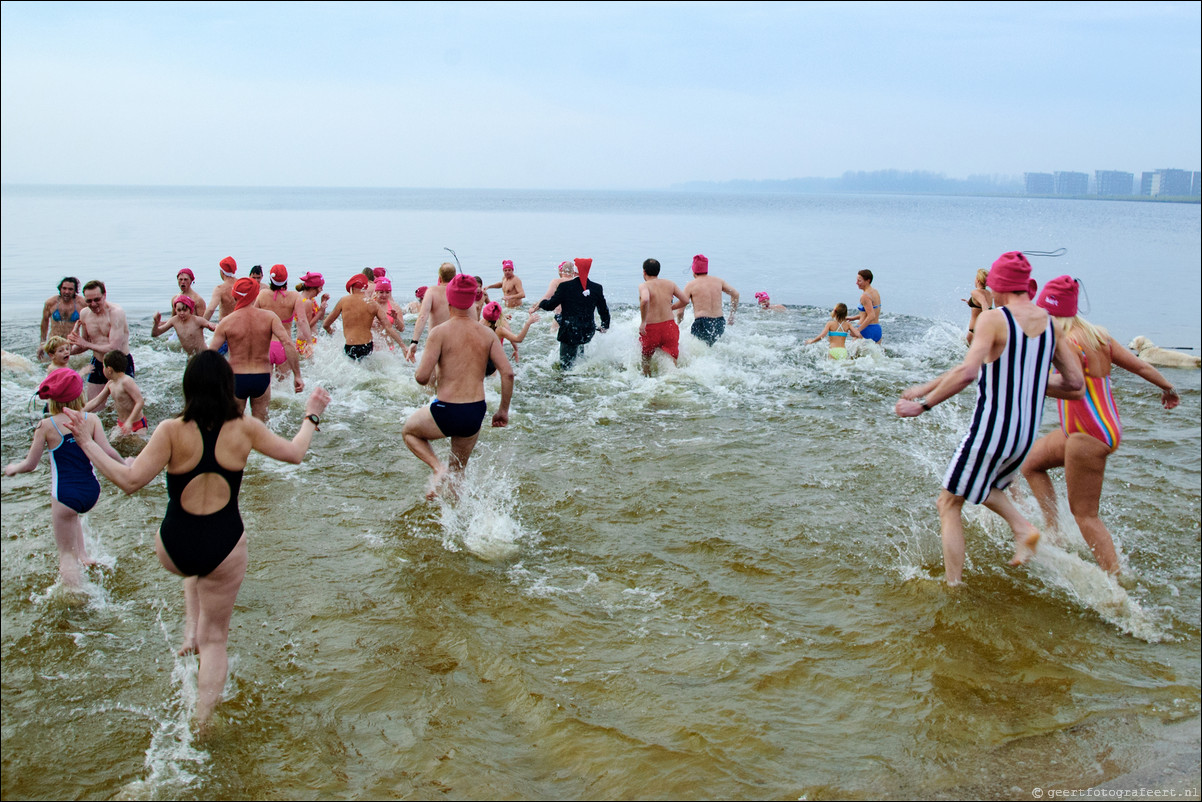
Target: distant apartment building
x=1145, y=183
x=1114, y=182
x=1172, y=183
x=1196, y=188
x=1072, y=183
x=1040, y=183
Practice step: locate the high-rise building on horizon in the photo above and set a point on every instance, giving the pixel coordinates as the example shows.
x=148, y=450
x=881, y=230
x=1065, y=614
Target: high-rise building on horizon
x=1171, y=183
x=1040, y=183
x=1114, y=182
x=1072, y=183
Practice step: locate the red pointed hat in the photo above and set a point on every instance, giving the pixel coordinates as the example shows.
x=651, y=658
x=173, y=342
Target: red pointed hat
x=582, y=267
x=228, y=266
x=246, y=290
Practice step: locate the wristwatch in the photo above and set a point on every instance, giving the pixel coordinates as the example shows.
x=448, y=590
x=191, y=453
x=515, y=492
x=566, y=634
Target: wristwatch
x=316, y=422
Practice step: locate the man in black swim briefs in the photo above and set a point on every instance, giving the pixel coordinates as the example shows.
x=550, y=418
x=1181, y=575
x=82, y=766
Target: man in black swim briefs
x=102, y=328
x=358, y=312
x=460, y=350
x=249, y=331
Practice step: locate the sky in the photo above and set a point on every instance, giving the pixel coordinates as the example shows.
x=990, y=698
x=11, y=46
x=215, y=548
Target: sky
x=590, y=95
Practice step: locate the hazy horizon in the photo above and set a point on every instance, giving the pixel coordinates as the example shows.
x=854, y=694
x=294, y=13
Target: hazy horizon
x=590, y=96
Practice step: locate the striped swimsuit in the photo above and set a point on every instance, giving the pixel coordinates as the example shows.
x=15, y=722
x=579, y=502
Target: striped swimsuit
x=1096, y=414
x=1009, y=408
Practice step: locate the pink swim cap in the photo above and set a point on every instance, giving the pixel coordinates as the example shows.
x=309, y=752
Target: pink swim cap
x=461, y=292
x=1012, y=273
x=420, y=292
x=62, y=386
x=185, y=300
x=378, y=271
x=191, y=275
x=1059, y=297
x=383, y=285
x=313, y=281
x=491, y=312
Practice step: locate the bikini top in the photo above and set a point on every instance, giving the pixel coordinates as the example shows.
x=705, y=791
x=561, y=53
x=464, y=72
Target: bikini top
x=861, y=307
x=838, y=334
x=176, y=482
x=58, y=318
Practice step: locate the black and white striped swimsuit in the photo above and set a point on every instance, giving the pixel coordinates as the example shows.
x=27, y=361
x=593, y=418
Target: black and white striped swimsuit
x=1006, y=421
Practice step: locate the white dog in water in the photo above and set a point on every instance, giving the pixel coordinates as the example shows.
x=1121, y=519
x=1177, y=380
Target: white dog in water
x=1162, y=357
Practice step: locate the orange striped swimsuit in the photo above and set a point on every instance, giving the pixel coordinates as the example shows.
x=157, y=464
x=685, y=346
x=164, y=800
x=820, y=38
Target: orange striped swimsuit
x=1096, y=414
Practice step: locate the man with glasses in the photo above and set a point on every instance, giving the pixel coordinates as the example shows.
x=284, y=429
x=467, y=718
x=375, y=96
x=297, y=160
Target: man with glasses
x=102, y=328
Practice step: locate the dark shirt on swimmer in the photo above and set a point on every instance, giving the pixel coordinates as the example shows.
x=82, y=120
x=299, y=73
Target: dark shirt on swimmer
x=577, y=324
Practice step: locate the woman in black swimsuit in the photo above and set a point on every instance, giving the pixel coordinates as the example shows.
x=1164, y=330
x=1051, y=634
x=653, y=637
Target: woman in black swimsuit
x=979, y=301
x=201, y=538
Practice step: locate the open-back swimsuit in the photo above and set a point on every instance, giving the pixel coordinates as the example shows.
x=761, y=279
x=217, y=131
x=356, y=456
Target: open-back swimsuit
x=72, y=480
x=1096, y=414
x=197, y=544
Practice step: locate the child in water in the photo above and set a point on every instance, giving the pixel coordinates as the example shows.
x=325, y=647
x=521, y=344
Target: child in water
x=127, y=398
x=493, y=318
x=836, y=331
x=73, y=488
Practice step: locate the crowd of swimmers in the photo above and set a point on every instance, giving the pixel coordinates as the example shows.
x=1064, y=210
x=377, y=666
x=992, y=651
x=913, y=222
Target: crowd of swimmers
x=266, y=328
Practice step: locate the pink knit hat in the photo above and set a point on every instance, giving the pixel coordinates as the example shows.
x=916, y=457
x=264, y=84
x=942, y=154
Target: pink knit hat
x=185, y=300
x=491, y=312
x=378, y=271
x=62, y=386
x=701, y=265
x=184, y=270
x=383, y=285
x=507, y=264
x=1012, y=273
x=1059, y=297
x=461, y=292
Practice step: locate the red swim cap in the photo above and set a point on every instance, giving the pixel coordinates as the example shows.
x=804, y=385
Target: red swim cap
x=358, y=280
x=461, y=292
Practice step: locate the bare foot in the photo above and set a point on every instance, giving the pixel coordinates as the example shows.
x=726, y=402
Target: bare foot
x=188, y=648
x=87, y=562
x=1024, y=547
x=435, y=483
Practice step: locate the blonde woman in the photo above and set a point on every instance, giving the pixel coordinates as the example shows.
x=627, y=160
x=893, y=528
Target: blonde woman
x=979, y=300
x=1090, y=429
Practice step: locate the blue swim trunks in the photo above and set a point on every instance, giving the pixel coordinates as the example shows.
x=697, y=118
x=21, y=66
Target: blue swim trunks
x=872, y=332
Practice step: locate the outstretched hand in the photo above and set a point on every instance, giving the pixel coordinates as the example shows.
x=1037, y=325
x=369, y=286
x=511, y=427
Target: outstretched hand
x=318, y=399
x=1169, y=398
x=906, y=408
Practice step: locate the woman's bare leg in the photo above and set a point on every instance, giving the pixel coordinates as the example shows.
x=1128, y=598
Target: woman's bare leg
x=1047, y=453
x=1084, y=470
x=216, y=593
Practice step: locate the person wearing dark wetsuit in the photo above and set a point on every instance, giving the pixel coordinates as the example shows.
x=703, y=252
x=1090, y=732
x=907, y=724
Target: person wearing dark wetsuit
x=580, y=300
x=202, y=538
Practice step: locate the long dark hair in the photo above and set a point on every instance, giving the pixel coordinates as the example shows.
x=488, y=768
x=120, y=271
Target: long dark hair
x=209, y=391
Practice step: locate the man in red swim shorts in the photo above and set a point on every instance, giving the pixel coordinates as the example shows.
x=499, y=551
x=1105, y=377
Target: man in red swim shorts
x=657, y=326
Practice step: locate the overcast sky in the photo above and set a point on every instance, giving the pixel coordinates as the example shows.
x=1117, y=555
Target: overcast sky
x=583, y=96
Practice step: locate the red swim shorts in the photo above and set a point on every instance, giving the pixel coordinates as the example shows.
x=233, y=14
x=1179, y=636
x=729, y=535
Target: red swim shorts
x=665, y=335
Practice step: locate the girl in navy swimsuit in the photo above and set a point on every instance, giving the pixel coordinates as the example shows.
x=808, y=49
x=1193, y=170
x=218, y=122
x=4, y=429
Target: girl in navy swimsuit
x=73, y=486
x=201, y=538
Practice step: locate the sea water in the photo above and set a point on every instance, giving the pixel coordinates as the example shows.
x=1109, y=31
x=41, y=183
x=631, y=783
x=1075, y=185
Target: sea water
x=722, y=580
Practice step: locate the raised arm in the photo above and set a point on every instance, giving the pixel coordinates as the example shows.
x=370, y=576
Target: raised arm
x=270, y=444
x=159, y=327
x=1130, y=362
x=145, y=467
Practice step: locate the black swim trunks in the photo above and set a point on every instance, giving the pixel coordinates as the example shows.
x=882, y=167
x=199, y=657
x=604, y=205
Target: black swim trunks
x=251, y=385
x=357, y=352
x=708, y=329
x=458, y=420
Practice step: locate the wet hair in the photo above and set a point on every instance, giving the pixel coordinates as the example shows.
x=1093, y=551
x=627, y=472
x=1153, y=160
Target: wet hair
x=77, y=405
x=71, y=279
x=840, y=313
x=651, y=267
x=865, y=274
x=55, y=343
x=209, y=391
x=256, y=269
x=116, y=360
x=982, y=277
x=371, y=274
x=1082, y=332
x=95, y=284
x=446, y=272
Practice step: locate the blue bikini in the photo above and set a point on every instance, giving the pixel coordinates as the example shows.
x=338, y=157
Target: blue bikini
x=871, y=332
x=58, y=318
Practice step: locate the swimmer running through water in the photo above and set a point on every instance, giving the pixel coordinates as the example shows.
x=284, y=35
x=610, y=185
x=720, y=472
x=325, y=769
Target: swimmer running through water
x=460, y=350
x=202, y=537
x=837, y=330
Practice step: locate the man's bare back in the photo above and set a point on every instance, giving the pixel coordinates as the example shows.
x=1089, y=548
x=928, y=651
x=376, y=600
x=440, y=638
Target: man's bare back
x=705, y=293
